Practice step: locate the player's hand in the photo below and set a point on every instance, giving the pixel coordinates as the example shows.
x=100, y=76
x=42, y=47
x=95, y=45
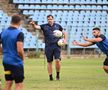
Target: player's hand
x=65, y=41
x=75, y=43
x=32, y=22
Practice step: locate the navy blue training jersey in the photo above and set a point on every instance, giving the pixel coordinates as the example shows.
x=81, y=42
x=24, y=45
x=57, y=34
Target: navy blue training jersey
x=9, y=39
x=103, y=45
x=48, y=33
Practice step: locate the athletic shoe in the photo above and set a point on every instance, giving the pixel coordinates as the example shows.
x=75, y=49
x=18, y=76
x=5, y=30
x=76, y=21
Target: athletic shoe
x=51, y=78
x=57, y=78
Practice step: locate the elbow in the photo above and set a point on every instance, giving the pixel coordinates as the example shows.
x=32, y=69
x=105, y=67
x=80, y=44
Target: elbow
x=19, y=52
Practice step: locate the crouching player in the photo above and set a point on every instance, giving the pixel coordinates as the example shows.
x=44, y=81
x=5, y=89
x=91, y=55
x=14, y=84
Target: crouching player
x=101, y=41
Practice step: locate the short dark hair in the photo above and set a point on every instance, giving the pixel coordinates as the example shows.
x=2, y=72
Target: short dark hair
x=96, y=28
x=50, y=16
x=16, y=19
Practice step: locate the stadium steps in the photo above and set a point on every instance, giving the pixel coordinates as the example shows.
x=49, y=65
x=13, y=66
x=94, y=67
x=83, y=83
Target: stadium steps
x=7, y=7
x=10, y=8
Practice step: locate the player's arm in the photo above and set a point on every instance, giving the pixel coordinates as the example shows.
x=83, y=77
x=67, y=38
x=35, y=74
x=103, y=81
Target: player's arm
x=65, y=35
x=0, y=44
x=99, y=39
x=82, y=44
x=20, y=49
x=37, y=27
x=0, y=48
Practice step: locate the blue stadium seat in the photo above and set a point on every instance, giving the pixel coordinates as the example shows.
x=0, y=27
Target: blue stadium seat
x=15, y=1
x=105, y=7
x=83, y=7
x=77, y=1
x=43, y=7
x=26, y=7
x=99, y=1
x=105, y=1
x=66, y=7
x=99, y=7
x=88, y=7
x=55, y=7
x=37, y=6
x=71, y=7
x=31, y=12
x=82, y=1
x=31, y=7
x=44, y=1
x=37, y=1
x=20, y=6
x=49, y=6
x=61, y=1
x=88, y=1
x=77, y=7
x=66, y=1
x=104, y=13
x=94, y=1
x=93, y=6
x=99, y=13
x=71, y=1
x=25, y=12
x=55, y=1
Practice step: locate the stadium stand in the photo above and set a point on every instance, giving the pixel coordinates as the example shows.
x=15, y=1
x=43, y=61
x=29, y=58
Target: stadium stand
x=76, y=16
x=80, y=16
x=29, y=39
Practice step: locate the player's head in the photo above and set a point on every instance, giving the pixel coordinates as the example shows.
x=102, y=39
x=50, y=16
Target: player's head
x=16, y=20
x=50, y=19
x=96, y=31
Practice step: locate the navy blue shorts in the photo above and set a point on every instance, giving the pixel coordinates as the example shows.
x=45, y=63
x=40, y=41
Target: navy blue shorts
x=14, y=73
x=52, y=51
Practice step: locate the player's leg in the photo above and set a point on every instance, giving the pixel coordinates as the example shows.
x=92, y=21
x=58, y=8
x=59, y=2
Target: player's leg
x=57, y=65
x=8, y=77
x=105, y=67
x=8, y=85
x=57, y=55
x=49, y=67
x=0, y=85
x=49, y=56
x=18, y=75
x=19, y=86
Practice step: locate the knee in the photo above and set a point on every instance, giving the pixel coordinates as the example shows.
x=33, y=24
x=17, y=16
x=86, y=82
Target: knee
x=105, y=69
x=58, y=62
x=9, y=83
x=49, y=64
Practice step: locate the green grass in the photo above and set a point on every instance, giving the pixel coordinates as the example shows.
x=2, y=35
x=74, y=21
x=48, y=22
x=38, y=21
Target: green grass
x=76, y=74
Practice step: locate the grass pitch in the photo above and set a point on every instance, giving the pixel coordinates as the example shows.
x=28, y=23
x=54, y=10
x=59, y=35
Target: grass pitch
x=76, y=74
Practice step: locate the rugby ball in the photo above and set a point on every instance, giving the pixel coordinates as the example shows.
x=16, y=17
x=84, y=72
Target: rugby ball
x=57, y=33
x=61, y=42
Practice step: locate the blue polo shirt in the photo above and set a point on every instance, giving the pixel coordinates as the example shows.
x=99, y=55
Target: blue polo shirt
x=48, y=33
x=103, y=45
x=9, y=39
